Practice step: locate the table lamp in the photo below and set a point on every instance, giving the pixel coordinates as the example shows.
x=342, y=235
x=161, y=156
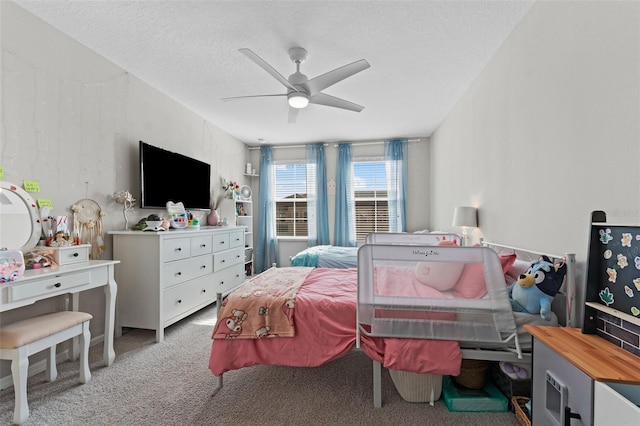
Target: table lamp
x=465, y=217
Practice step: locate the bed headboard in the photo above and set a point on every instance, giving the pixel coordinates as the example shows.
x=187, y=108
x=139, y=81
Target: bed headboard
x=405, y=238
x=563, y=304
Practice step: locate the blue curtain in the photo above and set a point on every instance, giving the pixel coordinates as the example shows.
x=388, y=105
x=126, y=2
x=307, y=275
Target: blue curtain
x=317, y=210
x=266, y=249
x=395, y=155
x=344, y=230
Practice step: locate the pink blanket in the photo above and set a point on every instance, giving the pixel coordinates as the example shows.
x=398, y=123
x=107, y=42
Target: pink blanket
x=325, y=321
x=263, y=307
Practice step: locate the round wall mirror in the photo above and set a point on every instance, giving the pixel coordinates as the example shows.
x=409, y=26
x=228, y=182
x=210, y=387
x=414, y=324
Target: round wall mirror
x=20, y=226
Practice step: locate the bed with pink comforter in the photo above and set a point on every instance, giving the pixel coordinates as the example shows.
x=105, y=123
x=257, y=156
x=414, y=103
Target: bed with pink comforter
x=324, y=323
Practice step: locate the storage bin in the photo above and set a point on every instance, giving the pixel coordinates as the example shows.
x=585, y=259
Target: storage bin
x=416, y=387
x=460, y=398
x=473, y=373
x=508, y=386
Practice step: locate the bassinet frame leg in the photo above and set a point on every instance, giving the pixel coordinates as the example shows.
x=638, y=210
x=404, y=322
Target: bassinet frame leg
x=219, y=385
x=377, y=384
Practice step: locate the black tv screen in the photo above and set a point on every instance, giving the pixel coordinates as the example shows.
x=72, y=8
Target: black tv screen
x=169, y=176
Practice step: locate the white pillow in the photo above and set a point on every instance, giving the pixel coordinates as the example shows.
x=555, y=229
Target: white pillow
x=518, y=268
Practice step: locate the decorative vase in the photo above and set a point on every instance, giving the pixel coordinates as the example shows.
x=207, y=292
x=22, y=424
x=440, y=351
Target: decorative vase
x=213, y=218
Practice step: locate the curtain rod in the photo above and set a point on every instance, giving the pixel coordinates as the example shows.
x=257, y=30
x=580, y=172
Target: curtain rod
x=376, y=142
x=283, y=146
x=326, y=144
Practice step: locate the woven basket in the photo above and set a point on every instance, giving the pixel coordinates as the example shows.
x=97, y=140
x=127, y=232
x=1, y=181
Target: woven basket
x=473, y=373
x=415, y=387
x=520, y=409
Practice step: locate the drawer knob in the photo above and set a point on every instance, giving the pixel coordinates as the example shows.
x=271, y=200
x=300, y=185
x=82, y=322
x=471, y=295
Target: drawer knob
x=221, y=242
x=204, y=290
x=222, y=261
x=221, y=282
x=203, y=267
x=178, y=273
x=76, y=254
x=179, y=300
x=179, y=249
x=57, y=285
x=203, y=245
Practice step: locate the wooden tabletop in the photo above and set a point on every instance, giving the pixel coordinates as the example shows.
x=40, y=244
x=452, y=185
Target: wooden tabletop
x=596, y=357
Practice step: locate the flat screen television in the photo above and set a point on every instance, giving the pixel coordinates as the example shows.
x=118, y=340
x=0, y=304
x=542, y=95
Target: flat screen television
x=169, y=176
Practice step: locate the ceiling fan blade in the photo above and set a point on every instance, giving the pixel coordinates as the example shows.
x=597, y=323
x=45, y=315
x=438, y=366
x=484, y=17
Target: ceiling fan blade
x=251, y=96
x=332, y=101
x=321, y=82
x=268, y=68
x=293, y=114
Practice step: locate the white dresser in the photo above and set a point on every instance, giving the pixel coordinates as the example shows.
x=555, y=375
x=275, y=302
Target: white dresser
x=165, y=276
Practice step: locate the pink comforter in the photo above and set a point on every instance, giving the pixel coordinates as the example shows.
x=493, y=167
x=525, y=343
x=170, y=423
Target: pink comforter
x=325, y=321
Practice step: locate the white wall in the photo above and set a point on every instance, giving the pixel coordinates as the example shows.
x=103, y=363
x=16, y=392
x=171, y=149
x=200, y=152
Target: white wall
x=549, y=131
x=418, y=177
x=69, y=116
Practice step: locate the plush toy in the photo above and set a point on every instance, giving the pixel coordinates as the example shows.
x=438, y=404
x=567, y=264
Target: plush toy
x=534, y=290
x=442, y=276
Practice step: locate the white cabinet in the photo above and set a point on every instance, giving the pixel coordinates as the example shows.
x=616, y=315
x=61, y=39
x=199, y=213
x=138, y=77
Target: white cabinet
x=244, y=217
x=616, y=404
x=559, y=390
x=165, y=276
x=582, y=379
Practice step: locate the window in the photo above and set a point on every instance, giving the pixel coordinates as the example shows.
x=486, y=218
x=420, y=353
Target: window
x=291, y=200
x=370, y=196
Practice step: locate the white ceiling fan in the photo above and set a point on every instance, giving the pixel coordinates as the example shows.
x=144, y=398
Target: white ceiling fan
x=300, y=90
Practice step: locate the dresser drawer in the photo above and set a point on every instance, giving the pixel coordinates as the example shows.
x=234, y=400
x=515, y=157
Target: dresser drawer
x=71, y=254
x=181, y=298
x=185, y=270
x=21, y=291
x=227, y=258
x=236, y=238
x=201, y=245
x=176, y=249
x=221, y=242
x=228, y=279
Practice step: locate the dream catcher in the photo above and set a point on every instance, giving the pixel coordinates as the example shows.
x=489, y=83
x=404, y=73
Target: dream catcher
x=87, y=220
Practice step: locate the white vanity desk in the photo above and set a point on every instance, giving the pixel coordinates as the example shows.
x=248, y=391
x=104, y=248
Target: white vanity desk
x=39, y=284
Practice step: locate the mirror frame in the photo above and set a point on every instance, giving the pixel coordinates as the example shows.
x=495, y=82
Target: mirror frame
x=32, y=207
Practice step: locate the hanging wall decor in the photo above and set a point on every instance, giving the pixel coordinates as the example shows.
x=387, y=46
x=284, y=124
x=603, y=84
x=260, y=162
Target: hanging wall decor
x=87, y=222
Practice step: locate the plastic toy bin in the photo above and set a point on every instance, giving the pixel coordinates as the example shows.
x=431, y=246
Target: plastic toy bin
x=459, y=398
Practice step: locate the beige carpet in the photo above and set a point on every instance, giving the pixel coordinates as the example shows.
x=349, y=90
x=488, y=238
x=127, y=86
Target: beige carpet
x=170, y=384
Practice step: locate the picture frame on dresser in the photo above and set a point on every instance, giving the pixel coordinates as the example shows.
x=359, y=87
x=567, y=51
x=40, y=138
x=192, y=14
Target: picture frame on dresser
x=166, y=276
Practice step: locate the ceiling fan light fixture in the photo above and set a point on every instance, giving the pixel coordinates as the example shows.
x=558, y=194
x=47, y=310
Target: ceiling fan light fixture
x=298, y=99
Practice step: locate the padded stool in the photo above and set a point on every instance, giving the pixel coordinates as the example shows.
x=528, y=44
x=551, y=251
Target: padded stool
x=24, y=338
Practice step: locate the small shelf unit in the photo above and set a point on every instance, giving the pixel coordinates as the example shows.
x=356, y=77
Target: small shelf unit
x=244, y=217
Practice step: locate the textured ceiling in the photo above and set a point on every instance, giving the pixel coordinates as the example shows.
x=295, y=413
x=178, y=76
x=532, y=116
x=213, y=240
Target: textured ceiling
x=423, y=56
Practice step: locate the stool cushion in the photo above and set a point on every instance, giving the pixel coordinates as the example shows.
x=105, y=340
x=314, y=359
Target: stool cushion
x=30, y=330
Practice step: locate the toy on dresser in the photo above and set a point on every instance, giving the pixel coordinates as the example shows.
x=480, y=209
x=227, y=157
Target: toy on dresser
x=11, y=265
x=534, y=290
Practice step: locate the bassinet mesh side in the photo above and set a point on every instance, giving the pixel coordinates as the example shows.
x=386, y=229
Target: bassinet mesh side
x=399, y=313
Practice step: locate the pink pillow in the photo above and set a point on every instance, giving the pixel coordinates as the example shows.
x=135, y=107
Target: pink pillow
x=472, y=284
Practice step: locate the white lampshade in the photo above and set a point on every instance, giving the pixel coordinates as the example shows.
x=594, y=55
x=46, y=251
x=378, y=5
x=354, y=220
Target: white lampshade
x=298, y=99
x=465, y=217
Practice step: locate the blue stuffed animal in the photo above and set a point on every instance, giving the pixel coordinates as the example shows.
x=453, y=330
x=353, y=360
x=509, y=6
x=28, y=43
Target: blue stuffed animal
x=535, y=289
